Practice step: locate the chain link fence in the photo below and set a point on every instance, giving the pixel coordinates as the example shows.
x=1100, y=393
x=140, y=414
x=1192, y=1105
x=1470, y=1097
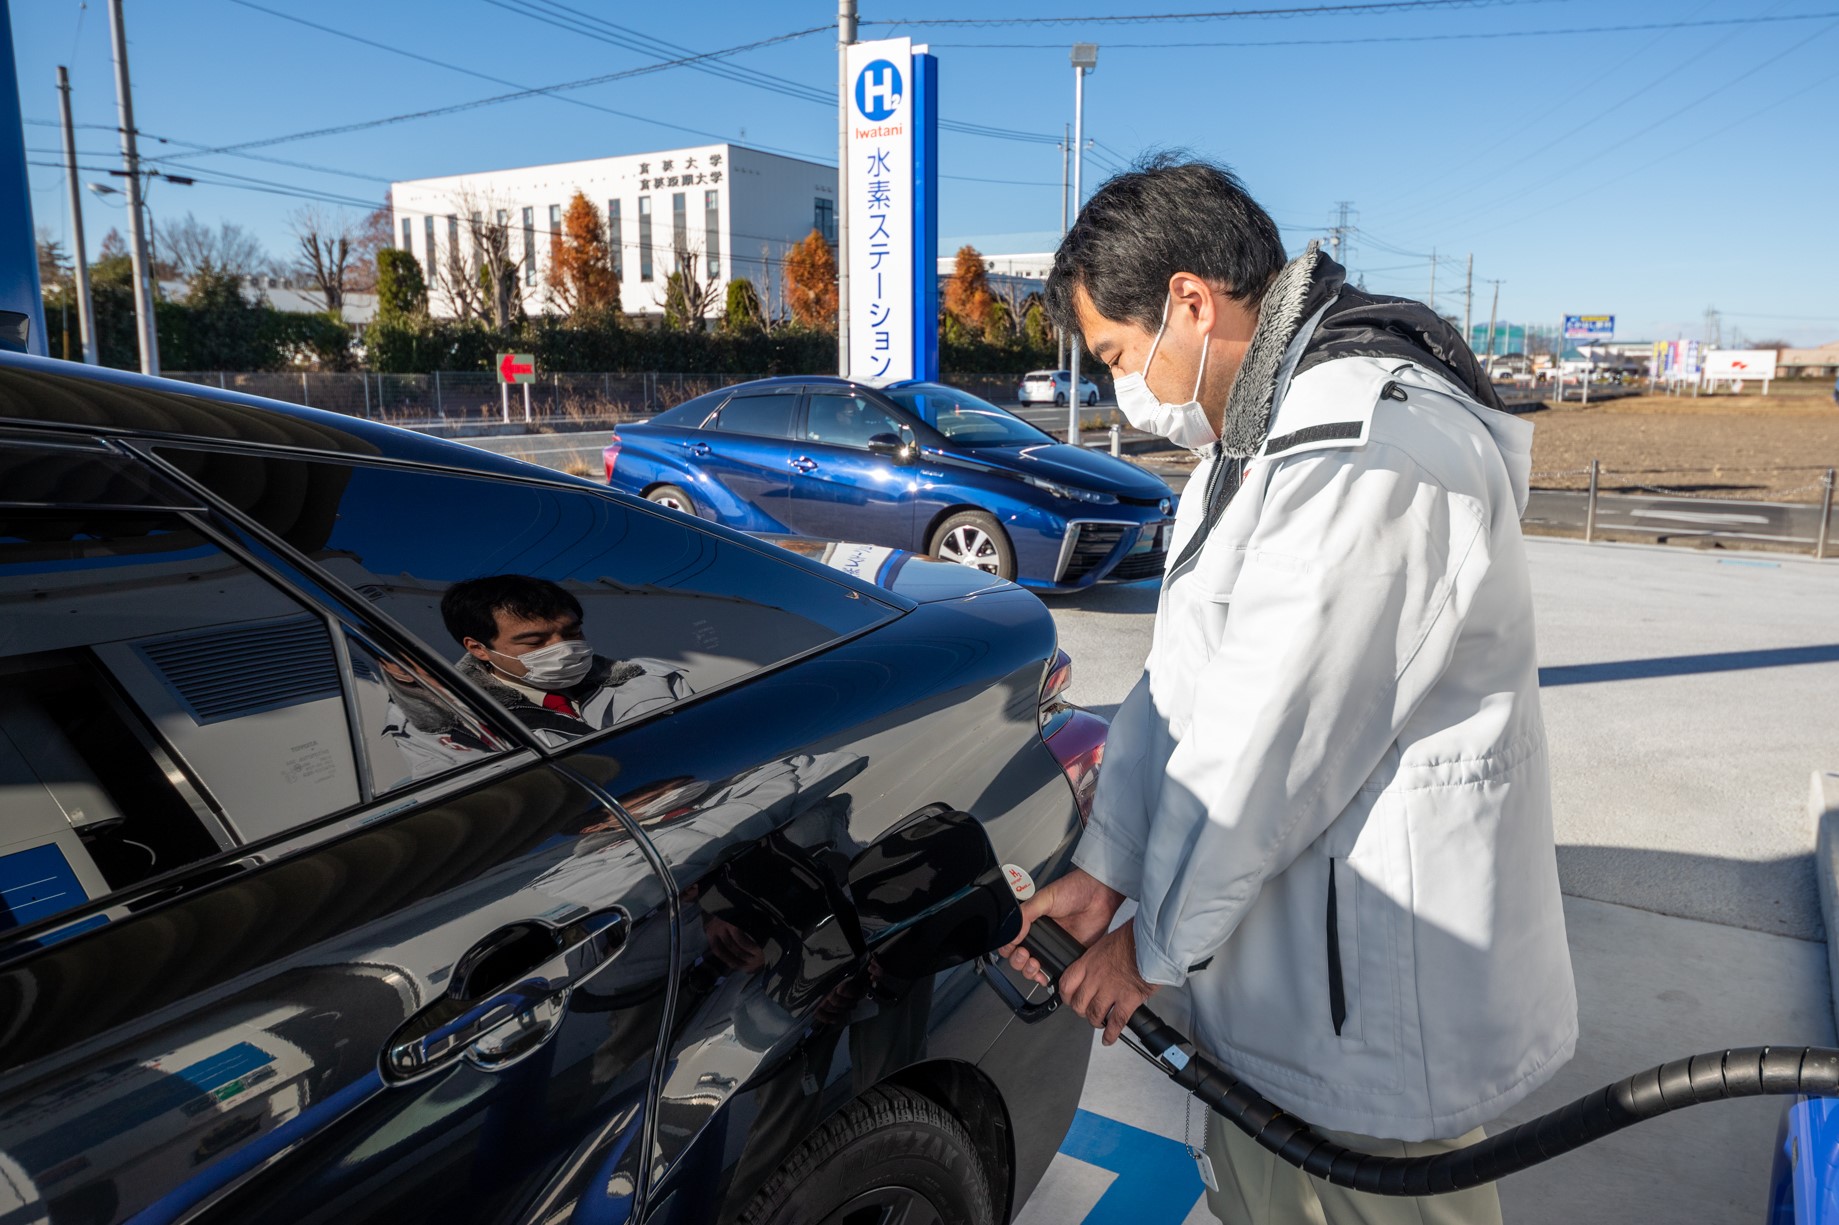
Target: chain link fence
x=459, y=398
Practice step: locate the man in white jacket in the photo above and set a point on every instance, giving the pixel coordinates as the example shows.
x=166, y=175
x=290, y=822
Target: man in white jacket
x=1327, y=794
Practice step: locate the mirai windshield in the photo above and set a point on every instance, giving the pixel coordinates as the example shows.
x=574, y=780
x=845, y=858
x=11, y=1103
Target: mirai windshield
x=963, y=418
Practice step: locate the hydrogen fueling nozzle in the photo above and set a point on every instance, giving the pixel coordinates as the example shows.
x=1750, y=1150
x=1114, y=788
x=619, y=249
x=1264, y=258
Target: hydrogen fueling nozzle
x=1758, y=1071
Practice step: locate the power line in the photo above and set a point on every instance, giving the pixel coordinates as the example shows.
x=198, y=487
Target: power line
x=1310, y=10
x=1415, y=38
x=575, y=21
x=497, y=99
x=1574, y=165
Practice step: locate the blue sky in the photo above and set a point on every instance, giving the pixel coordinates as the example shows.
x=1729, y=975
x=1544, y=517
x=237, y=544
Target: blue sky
x=1649, y=172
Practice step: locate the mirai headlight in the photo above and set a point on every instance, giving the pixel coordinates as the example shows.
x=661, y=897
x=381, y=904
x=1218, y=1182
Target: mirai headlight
x=1072, y=493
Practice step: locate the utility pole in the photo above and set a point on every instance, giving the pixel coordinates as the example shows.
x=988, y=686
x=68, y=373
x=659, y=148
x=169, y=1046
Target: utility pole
x=1066, y=154
x=1338, y=234
x=1433, y=280
x=145, y=330
x=845, y=35
x=1468, y=299
x=1495, y=306
x=86, y=319
x=1085, y=59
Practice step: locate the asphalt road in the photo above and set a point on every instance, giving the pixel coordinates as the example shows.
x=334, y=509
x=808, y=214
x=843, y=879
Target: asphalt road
x=1666, y=515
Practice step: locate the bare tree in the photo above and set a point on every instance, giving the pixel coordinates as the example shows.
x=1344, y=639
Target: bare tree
x=189, y=246
x=374, y=233
x=687, y=297
x=483, y=284
x=324, y=241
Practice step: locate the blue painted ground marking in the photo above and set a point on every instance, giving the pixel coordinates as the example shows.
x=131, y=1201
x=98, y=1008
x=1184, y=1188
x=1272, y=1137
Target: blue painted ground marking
x=1156, y=1184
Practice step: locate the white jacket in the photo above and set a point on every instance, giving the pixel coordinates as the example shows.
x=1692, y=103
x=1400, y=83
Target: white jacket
x=1342, y=694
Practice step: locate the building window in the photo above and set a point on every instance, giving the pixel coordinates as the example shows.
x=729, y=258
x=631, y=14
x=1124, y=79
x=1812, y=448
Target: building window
x=712, y=239
x=529, y=246
x=453, y=244
x=427, y=233
x=478, y=234
x=823, y=219
x=614, y=242
x=679, y=229
x=644, y=238
x=408, y=235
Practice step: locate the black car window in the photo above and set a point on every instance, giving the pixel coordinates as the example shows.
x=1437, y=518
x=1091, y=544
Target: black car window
x=841, y=419
x=667, y=609
x=691, y=413
x=965, y=419
x=161, y=701
x=761, y=414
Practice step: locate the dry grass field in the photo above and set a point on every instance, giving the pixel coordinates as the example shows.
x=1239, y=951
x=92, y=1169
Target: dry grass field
x=1772, y=448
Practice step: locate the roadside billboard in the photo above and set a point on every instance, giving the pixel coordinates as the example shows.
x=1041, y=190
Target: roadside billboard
x=1589, y=327
x=1735, y=365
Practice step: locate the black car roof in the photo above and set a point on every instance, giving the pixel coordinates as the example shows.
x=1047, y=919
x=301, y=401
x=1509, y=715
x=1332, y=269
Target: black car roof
x=96, y=400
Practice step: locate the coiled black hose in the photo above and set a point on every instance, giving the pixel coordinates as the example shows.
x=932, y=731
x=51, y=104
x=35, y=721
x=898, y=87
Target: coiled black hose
x=1755, y=1071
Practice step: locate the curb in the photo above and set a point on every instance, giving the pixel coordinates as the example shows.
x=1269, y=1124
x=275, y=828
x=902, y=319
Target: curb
x=1823, y=807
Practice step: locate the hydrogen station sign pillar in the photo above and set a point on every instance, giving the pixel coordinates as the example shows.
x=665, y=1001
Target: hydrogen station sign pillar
x=890, y=173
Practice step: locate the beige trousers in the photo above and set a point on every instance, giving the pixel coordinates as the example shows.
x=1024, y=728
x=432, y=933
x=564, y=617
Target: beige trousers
x=1257, y=1187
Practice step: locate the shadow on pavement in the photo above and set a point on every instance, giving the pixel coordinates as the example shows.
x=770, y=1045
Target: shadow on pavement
x=1110, y=598
x=1684, y=665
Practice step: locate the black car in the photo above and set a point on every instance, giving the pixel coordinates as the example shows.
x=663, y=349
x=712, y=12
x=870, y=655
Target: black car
x=303, y=921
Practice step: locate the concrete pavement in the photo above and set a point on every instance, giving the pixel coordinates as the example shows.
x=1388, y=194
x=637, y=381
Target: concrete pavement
x=1687, y=696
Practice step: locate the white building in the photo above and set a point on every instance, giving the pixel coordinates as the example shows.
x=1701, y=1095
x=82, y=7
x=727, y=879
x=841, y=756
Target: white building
x=1012, y=277
x=737, y=209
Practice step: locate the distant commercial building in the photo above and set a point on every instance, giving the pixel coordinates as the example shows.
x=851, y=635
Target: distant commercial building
x=1817, y=363
x=738, y=210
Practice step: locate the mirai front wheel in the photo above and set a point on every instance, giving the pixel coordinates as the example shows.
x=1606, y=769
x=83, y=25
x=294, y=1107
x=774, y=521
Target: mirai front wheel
x=972, y=538
x=891, y=1156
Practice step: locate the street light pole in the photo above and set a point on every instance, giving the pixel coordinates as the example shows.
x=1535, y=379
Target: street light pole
x=1066, y=153
x=845, y=35
x=146, y=332
x=1085, y=59
x=86, y=318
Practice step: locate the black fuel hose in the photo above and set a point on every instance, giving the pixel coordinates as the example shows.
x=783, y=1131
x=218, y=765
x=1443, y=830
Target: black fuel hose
x=1756, y=1071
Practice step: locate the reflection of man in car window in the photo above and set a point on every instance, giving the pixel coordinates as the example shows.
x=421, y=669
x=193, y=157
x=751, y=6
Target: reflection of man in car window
x=526, y=646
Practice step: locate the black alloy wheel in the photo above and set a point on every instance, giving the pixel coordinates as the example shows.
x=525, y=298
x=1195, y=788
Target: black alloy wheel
x=1059, y=399
x=891, y=1157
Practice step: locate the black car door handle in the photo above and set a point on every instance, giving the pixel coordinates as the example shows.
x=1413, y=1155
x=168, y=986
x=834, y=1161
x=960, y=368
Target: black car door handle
x=494, y=1025
x=804, y=463
x=699, y=449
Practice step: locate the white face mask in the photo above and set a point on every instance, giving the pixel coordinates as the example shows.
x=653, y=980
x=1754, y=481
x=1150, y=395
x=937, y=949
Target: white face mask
x=1185, y=425
x=553, y=667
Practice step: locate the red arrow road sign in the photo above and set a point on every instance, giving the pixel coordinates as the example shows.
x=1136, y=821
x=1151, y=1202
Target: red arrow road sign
x=516, y=368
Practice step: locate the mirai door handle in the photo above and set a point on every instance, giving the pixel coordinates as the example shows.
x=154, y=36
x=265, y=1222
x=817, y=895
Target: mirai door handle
x=700, y=449
x=493, y=1025
x=804, y=463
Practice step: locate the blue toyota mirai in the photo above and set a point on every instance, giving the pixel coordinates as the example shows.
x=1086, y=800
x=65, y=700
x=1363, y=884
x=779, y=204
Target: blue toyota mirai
x=917, y=465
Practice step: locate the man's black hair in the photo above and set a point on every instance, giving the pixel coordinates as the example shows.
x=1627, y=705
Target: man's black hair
x=1168, y=214
x=471, y=608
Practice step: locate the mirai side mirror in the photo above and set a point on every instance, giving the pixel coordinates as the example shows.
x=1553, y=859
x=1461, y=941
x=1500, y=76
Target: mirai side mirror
x=891, y=446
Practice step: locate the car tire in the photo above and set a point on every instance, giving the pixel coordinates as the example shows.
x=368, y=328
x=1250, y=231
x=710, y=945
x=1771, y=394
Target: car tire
x=1092, y=400
x=972, y=538
x=1059, y=399
x=891, y=1153
x=673, y=498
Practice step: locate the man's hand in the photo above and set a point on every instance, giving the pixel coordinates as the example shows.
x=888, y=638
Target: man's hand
x=1079, y=902
x=1104, y=986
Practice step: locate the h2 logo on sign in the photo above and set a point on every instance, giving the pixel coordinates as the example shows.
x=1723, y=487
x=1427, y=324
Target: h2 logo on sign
x=878, y=91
